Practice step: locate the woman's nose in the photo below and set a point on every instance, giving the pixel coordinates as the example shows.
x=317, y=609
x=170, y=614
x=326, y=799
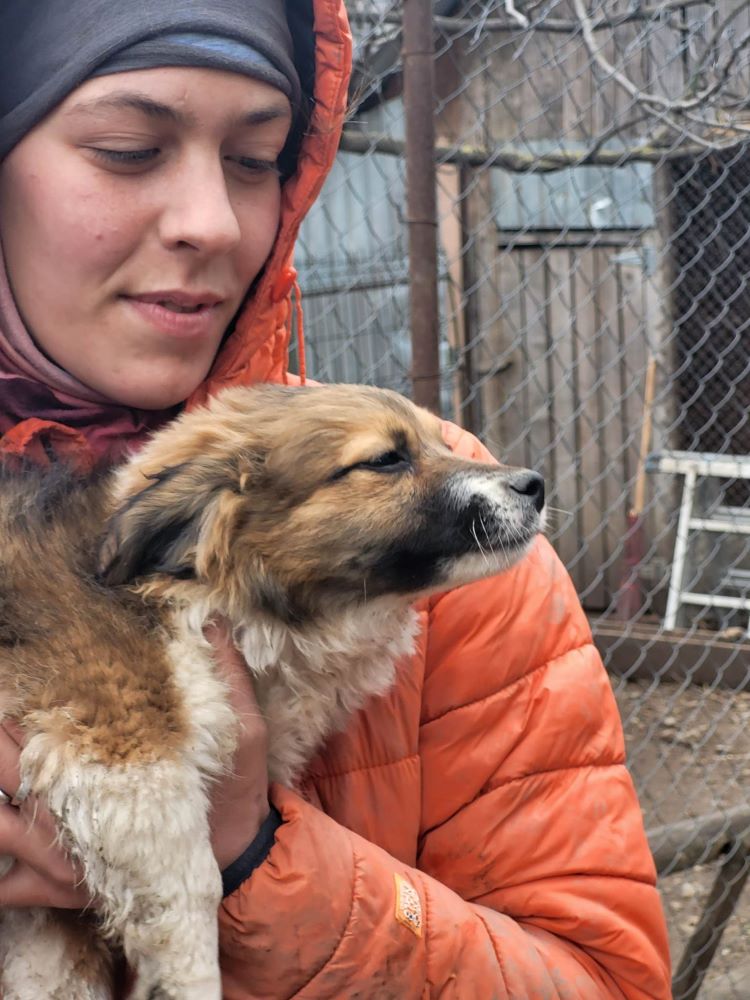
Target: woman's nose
x=198, y=211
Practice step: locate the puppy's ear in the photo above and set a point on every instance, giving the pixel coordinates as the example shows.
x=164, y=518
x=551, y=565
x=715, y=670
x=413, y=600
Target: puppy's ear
x=157, y=530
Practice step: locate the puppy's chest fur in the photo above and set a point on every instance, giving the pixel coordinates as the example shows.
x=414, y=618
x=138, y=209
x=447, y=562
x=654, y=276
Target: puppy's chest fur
x=310, y=681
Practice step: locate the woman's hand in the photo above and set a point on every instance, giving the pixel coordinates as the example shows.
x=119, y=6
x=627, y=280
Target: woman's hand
x=239, y=802
x=43, y=875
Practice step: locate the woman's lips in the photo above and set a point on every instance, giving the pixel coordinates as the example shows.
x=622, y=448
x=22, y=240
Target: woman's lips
x=198, y=323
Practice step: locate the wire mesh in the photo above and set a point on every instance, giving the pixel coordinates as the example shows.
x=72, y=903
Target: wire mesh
x=593, y=177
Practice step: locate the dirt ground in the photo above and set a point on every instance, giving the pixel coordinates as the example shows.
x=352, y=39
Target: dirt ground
x=689, y=754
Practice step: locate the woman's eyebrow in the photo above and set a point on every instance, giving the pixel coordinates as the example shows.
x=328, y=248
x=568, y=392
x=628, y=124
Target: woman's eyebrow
x=133, y=101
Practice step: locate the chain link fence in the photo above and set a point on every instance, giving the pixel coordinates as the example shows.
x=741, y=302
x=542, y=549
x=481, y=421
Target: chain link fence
x=593, y=223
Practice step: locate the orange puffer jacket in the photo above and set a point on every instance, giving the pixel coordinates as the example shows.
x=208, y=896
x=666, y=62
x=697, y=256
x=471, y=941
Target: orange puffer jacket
x=474, y=834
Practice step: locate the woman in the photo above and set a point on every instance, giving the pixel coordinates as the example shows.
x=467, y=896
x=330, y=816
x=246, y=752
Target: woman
x=472, y=834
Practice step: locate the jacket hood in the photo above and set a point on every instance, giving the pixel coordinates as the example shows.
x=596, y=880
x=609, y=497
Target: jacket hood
x=258, y=348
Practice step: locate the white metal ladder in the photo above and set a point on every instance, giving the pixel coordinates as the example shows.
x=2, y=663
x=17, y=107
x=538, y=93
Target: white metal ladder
x=725, y=520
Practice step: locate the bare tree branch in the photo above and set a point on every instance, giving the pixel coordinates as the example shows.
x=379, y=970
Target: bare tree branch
x=517, y=160
x=451, y=25
x=709, y=115
x=657, y=100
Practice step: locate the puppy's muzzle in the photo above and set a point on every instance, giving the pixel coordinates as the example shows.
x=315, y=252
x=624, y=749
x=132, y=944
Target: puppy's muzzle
x=498, y=505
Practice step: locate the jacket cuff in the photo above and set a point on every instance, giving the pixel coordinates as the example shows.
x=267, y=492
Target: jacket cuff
x=235, y=874
x=284, y=923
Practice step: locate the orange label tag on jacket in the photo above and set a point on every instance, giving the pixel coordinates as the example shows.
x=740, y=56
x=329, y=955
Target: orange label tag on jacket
x=408, y=906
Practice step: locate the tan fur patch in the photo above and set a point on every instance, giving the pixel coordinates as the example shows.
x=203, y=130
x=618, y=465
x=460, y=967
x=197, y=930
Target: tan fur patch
x=89, y=662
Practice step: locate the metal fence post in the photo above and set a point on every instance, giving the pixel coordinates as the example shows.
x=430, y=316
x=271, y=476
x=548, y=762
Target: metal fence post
x=419, y=105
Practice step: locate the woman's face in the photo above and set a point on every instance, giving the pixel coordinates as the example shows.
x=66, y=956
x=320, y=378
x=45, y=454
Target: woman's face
x=134, y=219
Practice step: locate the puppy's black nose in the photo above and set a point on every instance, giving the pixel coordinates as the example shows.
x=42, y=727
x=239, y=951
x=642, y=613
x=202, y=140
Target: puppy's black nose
x=529, y=484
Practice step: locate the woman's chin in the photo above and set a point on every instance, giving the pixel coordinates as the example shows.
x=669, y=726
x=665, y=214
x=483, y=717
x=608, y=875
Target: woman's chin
x=156, y=400
x=152, y=392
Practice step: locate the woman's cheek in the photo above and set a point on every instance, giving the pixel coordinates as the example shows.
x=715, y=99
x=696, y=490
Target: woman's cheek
x=259, y=235
x=79, y=232
x=103, y=231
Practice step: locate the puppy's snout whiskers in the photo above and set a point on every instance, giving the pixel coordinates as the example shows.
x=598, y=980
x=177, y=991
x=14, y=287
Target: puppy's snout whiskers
x=476, y=539
x=557, y=516
x=487, y=536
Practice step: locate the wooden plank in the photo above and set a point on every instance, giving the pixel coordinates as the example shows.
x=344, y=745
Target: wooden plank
x=646, y=651
x=574, y=65
x=534, y=349
x=658, y=311
x=612, y=495
x=699, y=840
x=632, y=334
x=516, y=447
x=629, y=55
x=491, y=342
x=450, y=244
x=628, y=458
x=564, y=484
x=613, y=238
x=720, y=905
x=664, y=66
x=532, y=96
x=585, y=377
x=610, y=103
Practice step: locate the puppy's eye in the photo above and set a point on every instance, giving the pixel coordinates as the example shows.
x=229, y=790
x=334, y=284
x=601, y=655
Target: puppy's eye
x=389, y=461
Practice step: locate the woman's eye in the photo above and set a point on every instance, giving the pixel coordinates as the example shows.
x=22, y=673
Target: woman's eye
x=125, y=156
x=255, y=167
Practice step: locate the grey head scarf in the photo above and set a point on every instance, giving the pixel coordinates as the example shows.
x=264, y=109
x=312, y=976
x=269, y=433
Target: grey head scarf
x=49, y=47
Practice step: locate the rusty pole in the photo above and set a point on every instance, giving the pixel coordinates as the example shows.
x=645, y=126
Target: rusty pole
x=421, y=201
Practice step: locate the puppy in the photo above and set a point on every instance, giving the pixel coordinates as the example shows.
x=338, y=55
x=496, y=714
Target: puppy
x=311, y=518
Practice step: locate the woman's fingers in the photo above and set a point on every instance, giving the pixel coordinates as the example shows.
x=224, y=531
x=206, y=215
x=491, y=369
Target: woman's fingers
x=24, y=886
x=29, y=835
x=9, y=760
x=240, y=799
x=253, y=743
x=42, y=873
x=234, y=670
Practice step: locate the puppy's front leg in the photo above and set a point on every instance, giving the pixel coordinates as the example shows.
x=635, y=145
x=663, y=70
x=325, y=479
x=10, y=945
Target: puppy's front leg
x=141, y=832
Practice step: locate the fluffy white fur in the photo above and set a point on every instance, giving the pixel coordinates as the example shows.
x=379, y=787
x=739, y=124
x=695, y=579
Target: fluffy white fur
x=37, y=961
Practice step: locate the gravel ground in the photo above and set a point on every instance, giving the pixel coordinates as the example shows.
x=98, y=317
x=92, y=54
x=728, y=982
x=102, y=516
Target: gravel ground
x=689, y=754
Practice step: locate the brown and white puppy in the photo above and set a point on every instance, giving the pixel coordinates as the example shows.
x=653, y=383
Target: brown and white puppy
x=311, y=518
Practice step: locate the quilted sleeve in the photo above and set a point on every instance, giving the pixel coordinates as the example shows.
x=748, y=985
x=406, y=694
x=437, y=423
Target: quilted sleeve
x=528, y=811
x=534, y=877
